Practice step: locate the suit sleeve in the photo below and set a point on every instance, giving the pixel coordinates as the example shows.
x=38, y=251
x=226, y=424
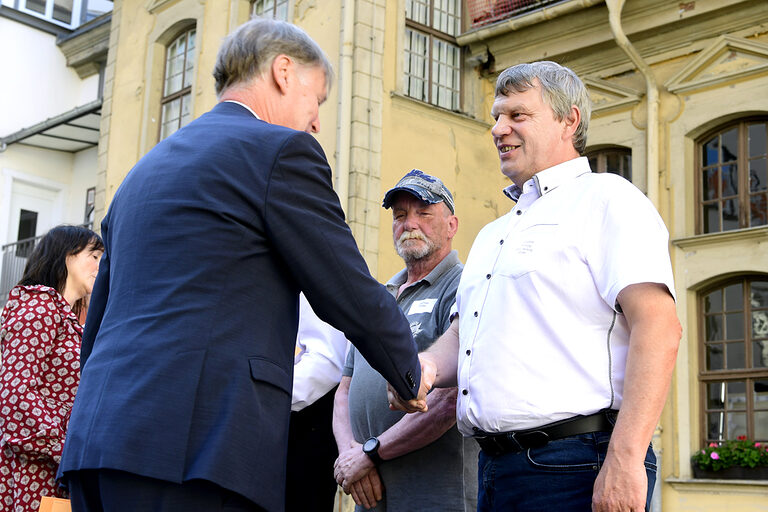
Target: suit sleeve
x=305, y=222
x=98, y=302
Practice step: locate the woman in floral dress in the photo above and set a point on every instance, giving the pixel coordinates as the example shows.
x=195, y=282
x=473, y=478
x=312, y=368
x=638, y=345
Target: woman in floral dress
x=40, y=367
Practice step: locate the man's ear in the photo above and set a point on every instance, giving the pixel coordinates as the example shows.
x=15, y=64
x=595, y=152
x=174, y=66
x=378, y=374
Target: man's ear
x=282, y=69
x=572, y=121
x=453, y=226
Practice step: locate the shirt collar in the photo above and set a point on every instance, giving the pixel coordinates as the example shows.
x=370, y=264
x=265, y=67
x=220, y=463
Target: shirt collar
x=450, y=261
x=249, y=109
x=544, y=182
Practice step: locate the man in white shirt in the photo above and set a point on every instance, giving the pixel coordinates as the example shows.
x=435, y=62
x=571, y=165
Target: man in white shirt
x=565, y=317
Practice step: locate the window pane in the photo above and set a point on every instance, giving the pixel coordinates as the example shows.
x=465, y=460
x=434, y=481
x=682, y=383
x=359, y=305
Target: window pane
x=730, y=214
x=446, y=16
x=715, y=357
x=760, y=394
x=417, y=10
x=730, y=145
x=281, y=10
x=709, y=152
x=170, y=119
x=734, y=326
x=758, y=178
x=715, y=426
x=716, y=395
x=416, y=72
x=737, y=396
x=758, y=294
x=62, y=11
x=734, y=297
x=736, y=356
x=714, y=327
x=711, y=217
x=729, y=175
x=758, y=210
x=186, y=115
x=760, y=354
x=190, y=59
x=761, y=426
x=713, y=302
x=35, y=5
x=757, y=139
x=737, y=424
x=709, y=189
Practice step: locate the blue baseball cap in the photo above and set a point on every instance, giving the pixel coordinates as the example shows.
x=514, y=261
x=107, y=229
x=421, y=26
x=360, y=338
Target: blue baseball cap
x=422, y=185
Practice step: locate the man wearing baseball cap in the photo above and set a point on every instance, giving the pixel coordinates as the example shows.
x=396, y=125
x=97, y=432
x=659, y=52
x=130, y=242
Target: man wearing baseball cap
x=387, y=459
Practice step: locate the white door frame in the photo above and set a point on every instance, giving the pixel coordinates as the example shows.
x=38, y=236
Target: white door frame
x=9, y=177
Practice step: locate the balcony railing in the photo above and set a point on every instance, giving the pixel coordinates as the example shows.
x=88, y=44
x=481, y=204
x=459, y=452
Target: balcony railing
x=485, y=12
x=14, y=259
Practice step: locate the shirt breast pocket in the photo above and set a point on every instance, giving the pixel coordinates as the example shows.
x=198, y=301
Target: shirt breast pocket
x=527, y=250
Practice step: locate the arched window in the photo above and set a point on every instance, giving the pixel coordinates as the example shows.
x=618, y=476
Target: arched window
x=732, y=180
x=176, y=103
x=614, y=160
x=734, y=359
x=277, y=9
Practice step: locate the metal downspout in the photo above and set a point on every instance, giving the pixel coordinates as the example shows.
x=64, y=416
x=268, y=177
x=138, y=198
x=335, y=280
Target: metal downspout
x=652, y=99
x=344, y=130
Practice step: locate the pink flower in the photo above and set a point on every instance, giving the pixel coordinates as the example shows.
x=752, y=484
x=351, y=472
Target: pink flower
x=702, y=451
x=712, y=445
x=757, y=445
x=714, y=455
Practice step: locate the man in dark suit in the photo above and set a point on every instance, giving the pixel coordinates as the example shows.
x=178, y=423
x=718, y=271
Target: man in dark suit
x=187, y=358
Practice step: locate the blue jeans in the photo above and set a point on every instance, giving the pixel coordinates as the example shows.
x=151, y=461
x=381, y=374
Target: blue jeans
x=557, y=477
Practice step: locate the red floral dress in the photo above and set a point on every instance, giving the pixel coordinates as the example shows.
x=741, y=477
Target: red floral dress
x=39, y=374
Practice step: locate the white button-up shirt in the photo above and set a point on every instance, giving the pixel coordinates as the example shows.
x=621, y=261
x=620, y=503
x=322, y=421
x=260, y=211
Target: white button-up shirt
x=542, y=338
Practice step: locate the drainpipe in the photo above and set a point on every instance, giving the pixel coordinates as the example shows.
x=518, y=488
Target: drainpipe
x=651, y=97
x=344, y=129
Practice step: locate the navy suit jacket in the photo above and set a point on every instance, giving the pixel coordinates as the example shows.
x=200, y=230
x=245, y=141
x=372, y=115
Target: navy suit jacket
x=189, y=343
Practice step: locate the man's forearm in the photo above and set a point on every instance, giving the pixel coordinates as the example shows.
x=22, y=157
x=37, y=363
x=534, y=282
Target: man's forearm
x=444, y=353
x=342, y=427
x=415, y=431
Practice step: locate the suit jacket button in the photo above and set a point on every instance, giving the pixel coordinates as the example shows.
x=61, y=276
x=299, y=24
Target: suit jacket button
x=409, y=378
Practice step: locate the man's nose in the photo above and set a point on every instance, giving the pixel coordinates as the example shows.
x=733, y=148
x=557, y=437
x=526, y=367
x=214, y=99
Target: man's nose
x=500, y=128
x=314, y=126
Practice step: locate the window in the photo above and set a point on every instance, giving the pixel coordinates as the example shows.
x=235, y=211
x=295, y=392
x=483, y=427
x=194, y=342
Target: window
x=732, y=178
x=734, y=360
x=277, y=9
x=60, y=12
x=613, y=160
x=27, y=230
x=90, y=206
x=176, y=103
x=432, y=57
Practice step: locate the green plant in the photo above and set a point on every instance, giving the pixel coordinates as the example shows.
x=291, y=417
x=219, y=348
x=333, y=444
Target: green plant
x=740, y=452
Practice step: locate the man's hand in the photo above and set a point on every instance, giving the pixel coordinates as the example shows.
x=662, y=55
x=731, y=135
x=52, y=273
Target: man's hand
x=418, y=404
x=368, y=490
x=351, y=465
x=621, y=486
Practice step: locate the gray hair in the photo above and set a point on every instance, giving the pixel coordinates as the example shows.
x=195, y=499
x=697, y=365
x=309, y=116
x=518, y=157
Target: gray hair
x=250, y=50
x=560, y=89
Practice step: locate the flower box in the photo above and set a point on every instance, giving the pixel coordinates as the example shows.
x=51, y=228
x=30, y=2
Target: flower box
x=732, y=473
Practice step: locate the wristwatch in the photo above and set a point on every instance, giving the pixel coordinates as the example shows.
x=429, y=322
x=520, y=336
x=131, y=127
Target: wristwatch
x=371, y=449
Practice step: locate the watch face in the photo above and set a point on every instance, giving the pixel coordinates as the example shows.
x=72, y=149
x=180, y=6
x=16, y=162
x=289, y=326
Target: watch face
x=371, y=445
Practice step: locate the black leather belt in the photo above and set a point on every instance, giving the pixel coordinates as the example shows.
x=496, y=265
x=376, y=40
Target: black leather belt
x=520, y=440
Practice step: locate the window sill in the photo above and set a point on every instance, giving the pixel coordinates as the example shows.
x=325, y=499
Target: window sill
x=707, y=485
x=429, y=108
x=724, y=237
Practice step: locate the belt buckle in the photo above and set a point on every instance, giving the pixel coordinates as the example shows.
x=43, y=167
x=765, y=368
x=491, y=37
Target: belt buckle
x=535, y=439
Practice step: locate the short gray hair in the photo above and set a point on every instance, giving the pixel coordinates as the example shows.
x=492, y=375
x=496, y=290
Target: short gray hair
x=250, y=50
x=560, y=89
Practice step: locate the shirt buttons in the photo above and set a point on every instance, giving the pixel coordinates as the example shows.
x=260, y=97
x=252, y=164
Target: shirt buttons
x=487, y=276
x=469, y=351
x=501, y=242
x=475, y=313
x=519, y=212
x=464, y=392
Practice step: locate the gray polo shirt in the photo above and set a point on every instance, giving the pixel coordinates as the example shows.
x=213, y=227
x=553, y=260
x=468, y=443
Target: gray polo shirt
x=443, y=475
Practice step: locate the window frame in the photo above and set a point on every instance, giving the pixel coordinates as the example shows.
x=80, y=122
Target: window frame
x=431, y=34
x=288, y=10
x=76, y=19
x=747, y=375
x=184, y=91
x=742, y=166
x=601, y=153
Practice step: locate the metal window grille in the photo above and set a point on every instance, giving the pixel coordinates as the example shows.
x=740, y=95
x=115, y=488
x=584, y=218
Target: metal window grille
x=485, y=12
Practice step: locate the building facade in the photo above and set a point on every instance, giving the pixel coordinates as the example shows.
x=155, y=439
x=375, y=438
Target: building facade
x=680, y=110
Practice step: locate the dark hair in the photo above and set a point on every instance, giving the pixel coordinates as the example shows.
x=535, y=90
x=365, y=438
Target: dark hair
x=47, y=265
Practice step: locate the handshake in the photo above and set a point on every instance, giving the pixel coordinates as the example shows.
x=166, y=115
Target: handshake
x=428, y=377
